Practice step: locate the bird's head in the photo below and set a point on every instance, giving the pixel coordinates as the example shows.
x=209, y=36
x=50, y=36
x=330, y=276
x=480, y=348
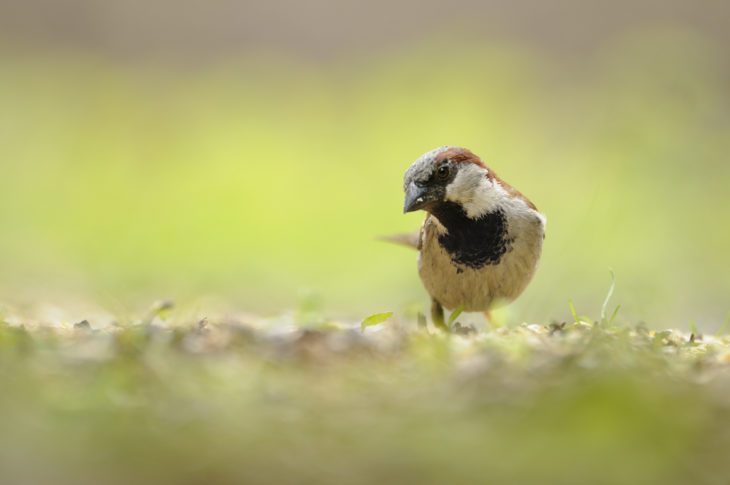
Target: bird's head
x=451, y=174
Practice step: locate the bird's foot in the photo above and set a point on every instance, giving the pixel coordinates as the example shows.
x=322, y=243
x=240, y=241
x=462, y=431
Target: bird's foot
x=437, y=316
x=491, y=320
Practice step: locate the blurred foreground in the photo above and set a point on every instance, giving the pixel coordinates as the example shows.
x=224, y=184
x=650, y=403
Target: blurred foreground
x=250, y=400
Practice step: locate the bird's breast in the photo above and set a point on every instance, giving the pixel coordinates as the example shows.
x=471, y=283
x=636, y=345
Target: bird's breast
x=476, y=243
x=482, y=264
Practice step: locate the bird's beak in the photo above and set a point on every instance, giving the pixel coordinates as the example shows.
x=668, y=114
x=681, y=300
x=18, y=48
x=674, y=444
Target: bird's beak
x=417, y=197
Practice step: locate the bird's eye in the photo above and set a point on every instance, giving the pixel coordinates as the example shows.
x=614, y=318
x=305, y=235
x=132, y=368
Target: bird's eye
x=443, y=172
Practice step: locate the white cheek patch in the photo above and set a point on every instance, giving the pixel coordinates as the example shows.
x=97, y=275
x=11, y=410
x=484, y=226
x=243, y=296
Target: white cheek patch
x=474, y=191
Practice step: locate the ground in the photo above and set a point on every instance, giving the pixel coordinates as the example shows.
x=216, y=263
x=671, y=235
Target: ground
x=263, y=400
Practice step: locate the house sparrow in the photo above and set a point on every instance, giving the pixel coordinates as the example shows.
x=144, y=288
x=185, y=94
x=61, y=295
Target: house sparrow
x=481, y=241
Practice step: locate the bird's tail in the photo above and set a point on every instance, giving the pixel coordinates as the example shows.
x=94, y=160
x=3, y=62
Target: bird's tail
x=409, y=239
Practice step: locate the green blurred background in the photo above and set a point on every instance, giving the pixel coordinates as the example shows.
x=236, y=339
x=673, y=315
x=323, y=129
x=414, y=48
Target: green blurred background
x=246, y=156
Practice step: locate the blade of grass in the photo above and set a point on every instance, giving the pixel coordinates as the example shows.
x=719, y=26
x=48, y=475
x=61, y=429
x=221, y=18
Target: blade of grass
x=613, y=316
x=455, y=314
x=374, y=320
x=608, y=297
x=572, y=310
x=724, y=326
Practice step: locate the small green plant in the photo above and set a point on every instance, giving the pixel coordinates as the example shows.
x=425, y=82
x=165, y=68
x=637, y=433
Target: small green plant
x=455, y=314
x=604, y=320
x=724, y=326
x=572, y=311
x=160, y=309
x=375, y=320
x=604, y=307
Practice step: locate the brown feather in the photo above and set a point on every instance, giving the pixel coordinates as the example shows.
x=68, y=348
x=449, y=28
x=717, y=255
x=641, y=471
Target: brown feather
x=462, y=155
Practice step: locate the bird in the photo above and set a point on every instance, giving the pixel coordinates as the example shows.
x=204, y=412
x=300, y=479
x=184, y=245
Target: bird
x=481, y=241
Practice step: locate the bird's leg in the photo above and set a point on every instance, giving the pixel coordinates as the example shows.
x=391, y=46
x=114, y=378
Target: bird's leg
x=490, y=320
x=437, y=315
